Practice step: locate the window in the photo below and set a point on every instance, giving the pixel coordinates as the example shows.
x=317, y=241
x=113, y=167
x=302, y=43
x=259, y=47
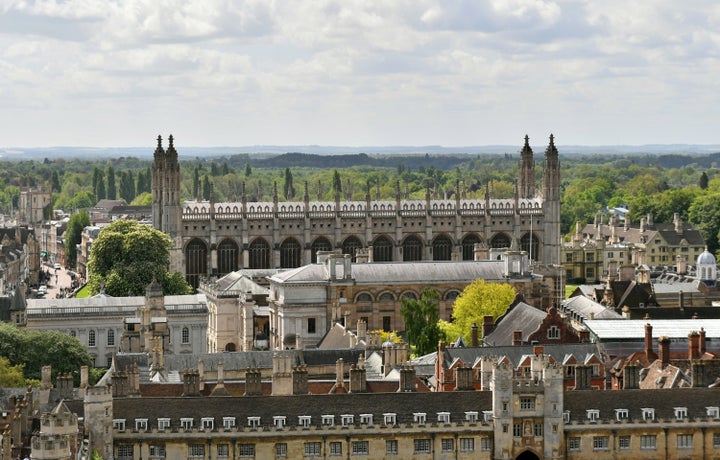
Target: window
x=119, y=424
x=335, y=449
x=125, y=451
x=304, y=421
x=311, y=326
x=621, y=414
x=185, y=335
x=467, y=444
x=197, y=451
x=391, y=447
x=685, y=441
x=601, y=443
x=360, y=447
x=568, y=257
x=593, y=414
x=228, y=423
x=680, y=413
x=389, y=418
x=246, y=450
x=485, y=444
x=141, y=424
x=279, y=421
x=111, y=338
x=223, y=450
x=647, y=441
x=589, y=272
x=648, y=413
x=716, y=440
x=207, y=423
x=186, y=423
x=312, y=449
x=443, y=417
x=538, y=429
x=589, y=257
x=472, y=416
x=713, y=412
x=163, y=423
x=553, y=333
x=419, y=418
x=328, y=420
x=347, y=419
x=574, y=443
x=421, y=446
x=157, y=450
x=446, y=445
x=517, y=430
x=624, y=442
x=387, y=327
x=253, y=422
x=91, y=338
x=281, y=449
x=527, y=403
x=487, y=416
x=366, y=419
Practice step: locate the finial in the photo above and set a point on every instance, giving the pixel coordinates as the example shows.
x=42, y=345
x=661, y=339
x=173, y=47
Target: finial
x=527, y=140
x=170, y=140
x=159, y=139
x=552, y=139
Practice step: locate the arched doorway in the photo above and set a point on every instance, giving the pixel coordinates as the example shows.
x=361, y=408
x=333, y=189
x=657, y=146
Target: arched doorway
x=527, y=455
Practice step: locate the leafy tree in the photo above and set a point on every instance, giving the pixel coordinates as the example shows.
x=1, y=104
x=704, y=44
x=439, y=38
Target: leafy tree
x=704, y=213
x=11, y=376
x=248, y=170
x=111, y=190
x=196, y=182
x=82, y=200
x=703, y=181
x=144, y=199
x=421, y=321
x=214, y=170
x=206, y=187
x=288, y=188
x=337, y=182
x=34, y=349
x=73, y=235
x=55, y=181
x=477, y=300
x=98, y=184
x=127, y=186
x=127, y=255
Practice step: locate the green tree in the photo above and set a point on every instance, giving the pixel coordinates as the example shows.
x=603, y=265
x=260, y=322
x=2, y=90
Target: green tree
x=127, y=186
x=111, y=190
x=34, y=349
x=55, y=181
x=196, y=182
x=703, y=181
x=288, y=188
x=144, y=199
x=337, y=182
x=248, y=170
x=82, y=200
x=704, y=213
x=127, y=255
x=477, y=300
x=98, y=184
x=73, y=235
x=11, y=376
x=206, y=187
x=421, y=321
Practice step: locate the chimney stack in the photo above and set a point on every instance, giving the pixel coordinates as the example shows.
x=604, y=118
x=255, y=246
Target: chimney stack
x=517, y=338
x=358, y=379
x=693, y=345
x=664, y=355
x=300, y=380
x=474, y=335
x=407, y=379
x=191, y=383
x=631, y=376
x=464, y=379
x=253, y=382
x=649, y=352
x=702, y=341
x=487, y=325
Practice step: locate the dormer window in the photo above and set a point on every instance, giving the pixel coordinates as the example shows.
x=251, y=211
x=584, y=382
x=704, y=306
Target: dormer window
x=593, y=414
x=566, y=416
x=253, y=422
x=347, y=419
x=389, y=419
x=304, y=421
x=119, y=424
x=366, y=419
x=443, y=417
x=163, y=423
x=186, y=423
x=680, y=413
x=207, y=423
x=621, y=414
x=648, y=413
x=141, y=424
x=328, y=420
x=472, y=416
x=228, y=423
x=419, y=418
x=713, y=412
x=553, y=333
x=279, y=421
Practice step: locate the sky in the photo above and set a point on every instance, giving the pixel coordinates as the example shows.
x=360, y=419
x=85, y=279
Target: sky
x=116, y=73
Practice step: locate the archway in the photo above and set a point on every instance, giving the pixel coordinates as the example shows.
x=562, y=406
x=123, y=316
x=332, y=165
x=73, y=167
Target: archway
x=259, y=254
x=290, y=253
x=230, y=347
x=527, y=455
x=351, y=245
x=442, y=248
x=382, y=249
x=196, y=262
x=227, y=254
x=320, y=244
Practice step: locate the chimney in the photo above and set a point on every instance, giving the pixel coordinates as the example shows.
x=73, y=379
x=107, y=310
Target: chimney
x=46, y=382
x=347, y=266
x=538, y=350
x=487, y=325
x=650, y=219
x=407, y=379
x=681, y=264
x=517, y=338
x=698, y=373
x=219, y=389
x=678, y=223
x=642, y=225
x=649, y=353
x=120, y=384
x=253, y=382
x=693, y=345
x=361, y=330
x=65, y=386
x=191, y=383
x=702, y=341
x=474, y=335
x=84, y=374
x=664, y=354
x=631, y=376
x=358, y=379
x=300, y=381
x=282, y=382
x=464, y=379
x=339, y=374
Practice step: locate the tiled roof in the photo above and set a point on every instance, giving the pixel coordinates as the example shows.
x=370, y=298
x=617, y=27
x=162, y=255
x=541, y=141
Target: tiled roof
x=521, y=317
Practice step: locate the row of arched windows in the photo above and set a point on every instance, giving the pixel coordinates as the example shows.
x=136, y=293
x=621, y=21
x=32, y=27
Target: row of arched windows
x=388, y=296
x=291, y=251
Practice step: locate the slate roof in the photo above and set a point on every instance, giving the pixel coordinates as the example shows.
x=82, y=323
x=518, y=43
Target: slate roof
x=427, y=272
x=515, y=354
x=521, y=317
x=587, y=308
x=611, y=330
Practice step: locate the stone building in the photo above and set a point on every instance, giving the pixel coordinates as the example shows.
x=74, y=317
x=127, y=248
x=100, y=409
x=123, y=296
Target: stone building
x=34, y=205
x=213, y=239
